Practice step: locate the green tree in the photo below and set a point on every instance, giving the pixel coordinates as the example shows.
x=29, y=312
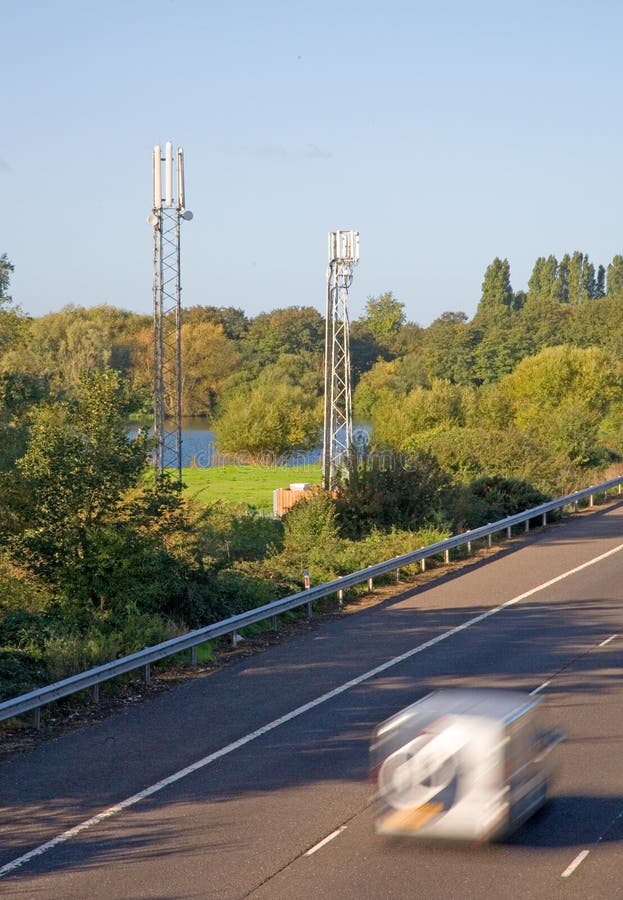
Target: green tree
x=209, y=357
x=384, y=315
x=6, y=268
x=295, y=329
x=614, y=277
x=448, y=348
x=406, y=490
x=267, y=418
x=544, y=283
x=497, y=297
x=600, y=283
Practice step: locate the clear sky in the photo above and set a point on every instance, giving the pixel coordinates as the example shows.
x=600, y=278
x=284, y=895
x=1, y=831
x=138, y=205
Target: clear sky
x=446, y=132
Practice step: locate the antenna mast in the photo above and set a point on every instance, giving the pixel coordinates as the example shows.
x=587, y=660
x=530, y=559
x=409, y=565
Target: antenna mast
x=338, y=425
x=167, y=211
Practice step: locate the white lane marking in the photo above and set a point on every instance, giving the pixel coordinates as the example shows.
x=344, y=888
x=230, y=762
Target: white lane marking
x=541, y=687
x=326, y=840
x=607, y=641
x=293, y=714
x=573, y=865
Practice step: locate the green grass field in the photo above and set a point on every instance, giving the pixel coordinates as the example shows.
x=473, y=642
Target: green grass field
x=252, y=485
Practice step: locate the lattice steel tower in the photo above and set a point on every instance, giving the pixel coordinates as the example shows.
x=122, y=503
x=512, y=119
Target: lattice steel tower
x=167, y=212
x=338, y=425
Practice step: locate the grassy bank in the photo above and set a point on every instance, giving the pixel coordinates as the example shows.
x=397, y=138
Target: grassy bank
x=252, y=485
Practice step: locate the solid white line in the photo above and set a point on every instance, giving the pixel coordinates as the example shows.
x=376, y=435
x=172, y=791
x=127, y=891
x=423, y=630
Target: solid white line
x=326, y=840
x=293, y=714
x=573, y=865
x=607, y=641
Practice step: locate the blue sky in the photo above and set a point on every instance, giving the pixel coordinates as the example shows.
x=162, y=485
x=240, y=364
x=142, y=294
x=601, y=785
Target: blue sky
x=447, y=133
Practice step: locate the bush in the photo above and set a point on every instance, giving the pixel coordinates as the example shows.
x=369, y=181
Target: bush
x=20, y=672
x=406, y=492
x=491, y=499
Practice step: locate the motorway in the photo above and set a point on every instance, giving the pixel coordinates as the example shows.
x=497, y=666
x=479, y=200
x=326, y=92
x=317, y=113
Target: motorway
x=252, y=781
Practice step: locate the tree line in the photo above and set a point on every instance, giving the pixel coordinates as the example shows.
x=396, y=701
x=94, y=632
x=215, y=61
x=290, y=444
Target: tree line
x=471, y=420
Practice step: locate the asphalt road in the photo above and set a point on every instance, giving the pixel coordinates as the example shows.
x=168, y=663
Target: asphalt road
x=252, y=781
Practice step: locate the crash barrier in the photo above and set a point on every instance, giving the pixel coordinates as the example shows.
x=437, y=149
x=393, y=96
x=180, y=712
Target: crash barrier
x=143, y=659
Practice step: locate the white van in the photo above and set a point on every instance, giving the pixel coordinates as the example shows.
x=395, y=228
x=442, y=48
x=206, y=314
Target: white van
x=462, y=764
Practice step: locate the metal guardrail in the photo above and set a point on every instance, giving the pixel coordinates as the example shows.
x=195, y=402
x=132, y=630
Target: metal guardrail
x=190, y=641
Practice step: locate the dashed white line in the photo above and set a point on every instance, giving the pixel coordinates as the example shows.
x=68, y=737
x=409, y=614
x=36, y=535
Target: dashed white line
x=293, y=714
x=607, y=641
x=326, y=840
x=541, y=687
x=573, y=865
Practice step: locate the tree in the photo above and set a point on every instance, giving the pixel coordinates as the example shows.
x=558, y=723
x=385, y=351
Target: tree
x=600, y=284
x=614, y=278
x=208, y=358
x=497, y=297
x=448, y=348
x=384, y=315
x=563, y=393
x=295, y=329
x=544, y=283
x=75, y=510
x=409, y=493
x=78, y=462
x=6, y=268
x=232, y=320
x=267, y=418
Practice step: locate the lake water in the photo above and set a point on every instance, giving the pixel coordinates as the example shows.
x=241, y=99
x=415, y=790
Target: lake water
x=199, y=449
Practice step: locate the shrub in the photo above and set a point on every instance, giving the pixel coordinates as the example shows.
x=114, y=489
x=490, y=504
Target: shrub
x=494, y=498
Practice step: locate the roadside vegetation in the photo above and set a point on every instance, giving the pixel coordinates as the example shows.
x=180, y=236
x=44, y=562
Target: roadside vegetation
x=470, y=421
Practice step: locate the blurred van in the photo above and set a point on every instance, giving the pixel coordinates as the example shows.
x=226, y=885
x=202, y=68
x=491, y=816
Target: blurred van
x=463, y=765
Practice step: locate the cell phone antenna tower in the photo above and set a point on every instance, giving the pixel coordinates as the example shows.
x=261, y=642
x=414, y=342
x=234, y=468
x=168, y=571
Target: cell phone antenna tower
x=167, y=213
x=338, y=425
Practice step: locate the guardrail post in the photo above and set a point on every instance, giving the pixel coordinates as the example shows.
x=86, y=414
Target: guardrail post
x=193, y=655
x=489, y=536
x=447, y=557
x=469, y=546
x=544, y=520
x=423, y=565
x=340, y=597
x=309, y=610
x=397, y=576
x=508, y=532
x=147, y=673
x=37, y=718
x=619, y=487
x=273, y=622
x=575, y=506
x=370, y=584
x=527, y=528
x=591, y=500
x=95, y=693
